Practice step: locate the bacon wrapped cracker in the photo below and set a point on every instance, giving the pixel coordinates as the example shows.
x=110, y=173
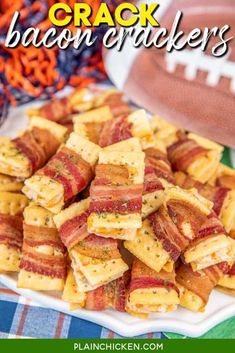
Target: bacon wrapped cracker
x=157, y=176
x=44, y=258
x=151, y=291
x=196, y=287
x=147, y=248
x=114, y=100
x=96, y=260
x=222, y=197
x=112, y=295
x=9, y=183
x=124, y=127
x=164, y=131
x=211, y=246
x=24, y=155
x=196, y=156
x=116, y=195
x=224, y=177
x=192, y=214
x=67, y=173
x=71, y=293
x=11, y=230
x=90, y=124
x=60, y=109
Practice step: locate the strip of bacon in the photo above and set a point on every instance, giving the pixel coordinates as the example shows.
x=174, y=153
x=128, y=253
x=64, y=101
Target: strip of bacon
x=69, y=169
x=226, y=181
x=98, y=247
x=213, y=193
x=117, y=206
x=184, y=152
x=34, y=145
x=201, y=283
x=114, y=131
x=56, y=110
x=156, y=163
x=231, y=271
x=219, y=198
x=148, y=282
x=112, y=295
x=111, y=174
x=166, y=231
x=11, y=231
x=182, y=212
x=74, y=230
x=96, y=299
x=37, y=236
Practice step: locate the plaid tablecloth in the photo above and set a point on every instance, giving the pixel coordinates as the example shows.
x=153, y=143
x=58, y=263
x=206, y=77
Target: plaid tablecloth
x=23, y=318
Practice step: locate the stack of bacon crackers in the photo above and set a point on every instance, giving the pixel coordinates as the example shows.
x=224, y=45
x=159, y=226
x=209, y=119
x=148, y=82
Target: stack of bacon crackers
x=116, y=210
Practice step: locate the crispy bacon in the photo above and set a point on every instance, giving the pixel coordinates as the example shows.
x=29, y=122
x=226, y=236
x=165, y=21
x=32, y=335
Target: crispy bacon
x=184, y=152
x=117, y=105
x=226, y=181
x=56, y=110
x=69, y=169
x=117, y=206
x=98, y=247
x=34, y=145
x=74, y=230
x=114, y=131
x=182, y=212
x=201, y=283
x=231, y=271
x=96, y=300
x=38, y=262
x=111, y=191
x=167, y=232
x=112, y=295
x=215, y=194
x=39, y=236
x=93, y=131
x=11, y=231
x=157, y=164
x=219, y=198
x=144, y=277
x=211, y=227
x=111, y=174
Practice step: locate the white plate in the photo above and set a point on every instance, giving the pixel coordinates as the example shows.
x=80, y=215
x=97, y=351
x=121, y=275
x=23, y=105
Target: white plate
x=220, y=307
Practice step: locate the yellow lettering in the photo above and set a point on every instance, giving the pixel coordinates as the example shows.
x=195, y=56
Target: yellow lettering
x=82, y=12
x=52, y=14
x=126, y=22
x=146, y=15
x=103, y=16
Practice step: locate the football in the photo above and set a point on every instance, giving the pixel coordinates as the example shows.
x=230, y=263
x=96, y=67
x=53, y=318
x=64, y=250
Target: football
x=191, y=88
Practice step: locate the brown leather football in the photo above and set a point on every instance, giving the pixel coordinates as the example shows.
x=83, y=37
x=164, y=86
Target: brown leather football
x=191, y=88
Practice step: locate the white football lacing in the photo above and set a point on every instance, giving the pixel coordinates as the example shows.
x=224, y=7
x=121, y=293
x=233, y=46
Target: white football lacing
x=196, y=59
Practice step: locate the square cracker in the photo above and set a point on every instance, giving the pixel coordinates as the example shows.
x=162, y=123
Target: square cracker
x=98, y=115
x=35, y=281
x=88, y=150
x=132, y=145
x=12, y=203
x=58, y=130
x=38, y=216
x=12, y=161
x=72, y=211
x=147, y=248
x=10, y=259
x=134, y=161
x=45, y=191
x=151, y=202
x=98, y=272
x=71, y=293
x=140, y=127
